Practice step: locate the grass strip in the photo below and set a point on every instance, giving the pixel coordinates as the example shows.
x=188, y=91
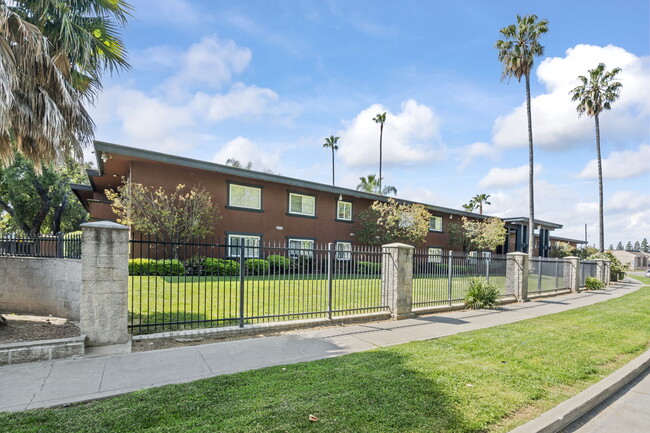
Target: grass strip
x=486, y=380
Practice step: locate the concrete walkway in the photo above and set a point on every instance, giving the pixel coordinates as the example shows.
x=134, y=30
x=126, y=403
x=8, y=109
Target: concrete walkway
x=46, y=384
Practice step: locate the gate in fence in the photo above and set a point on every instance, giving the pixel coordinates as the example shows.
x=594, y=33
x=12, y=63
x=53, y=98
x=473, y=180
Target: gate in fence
x=547, y=275
x=181, y=285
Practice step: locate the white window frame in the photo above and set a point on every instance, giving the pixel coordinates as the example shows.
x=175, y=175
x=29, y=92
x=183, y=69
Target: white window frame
x=432, y=224
x=293, y=194
x=486, y=254
x=339, y=205
x=247, y=190
x=343, y=251
x=434, y=255
x=472, y=257
x=251, y=243
x=306, y=248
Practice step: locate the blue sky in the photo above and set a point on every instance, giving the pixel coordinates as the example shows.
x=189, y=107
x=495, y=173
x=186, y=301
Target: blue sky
x=267, y=81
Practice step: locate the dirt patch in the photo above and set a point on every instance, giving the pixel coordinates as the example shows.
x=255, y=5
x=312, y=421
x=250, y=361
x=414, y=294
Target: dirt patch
x=23, y=328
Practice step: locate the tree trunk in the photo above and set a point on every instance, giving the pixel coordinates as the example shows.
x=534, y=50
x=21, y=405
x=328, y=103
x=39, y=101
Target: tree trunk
x=332, y=165
x=58, y=214
x=601, y=219
x=531, y=172
x=381, y=137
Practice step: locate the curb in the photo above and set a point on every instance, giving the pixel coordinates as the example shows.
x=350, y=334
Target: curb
x=572, y=409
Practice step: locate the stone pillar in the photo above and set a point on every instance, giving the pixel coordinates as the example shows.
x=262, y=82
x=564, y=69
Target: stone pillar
x=572, y=273
x=600, y=269
x=397, y=279
x=608, y=272
x=517, y=275
x=104, y=286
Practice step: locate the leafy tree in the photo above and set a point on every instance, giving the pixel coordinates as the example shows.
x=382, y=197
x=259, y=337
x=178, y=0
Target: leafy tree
x=458, y=238
x=586, y=252
x=479, y=200
x=611, y=247
x=562, y=249
x=372, y=184
x=470, y=207
x=485, y=234
x=644, y=246
x=517, y=52
x=179, y=215
x=331, y=143
x=232, y=162
x=594, y=95
x=39, y=203
x=389, y=222
x=628, y=246
x=619, y=246
x=53, y=56
x=381, y=119
x=637, y=246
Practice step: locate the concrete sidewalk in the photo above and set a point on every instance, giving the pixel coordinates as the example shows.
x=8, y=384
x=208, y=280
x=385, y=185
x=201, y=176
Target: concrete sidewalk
x=46, y=384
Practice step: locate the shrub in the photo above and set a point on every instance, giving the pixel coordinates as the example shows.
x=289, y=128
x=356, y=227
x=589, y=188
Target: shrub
x=224, y=267
x=256, y=266
x=592, y=283
x=368, y=267
x=279, y=264
x=168, y=267
x=195, y=266
x=142, y=267
x=481, y=294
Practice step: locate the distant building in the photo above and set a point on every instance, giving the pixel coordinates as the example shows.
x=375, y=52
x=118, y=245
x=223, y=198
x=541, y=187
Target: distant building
x=634, y=260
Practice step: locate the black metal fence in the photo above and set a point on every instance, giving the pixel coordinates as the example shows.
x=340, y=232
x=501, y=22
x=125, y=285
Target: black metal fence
x=442, y=278
x=588, y=268
x=185, y=285
x=65, y=246
x=547, y=275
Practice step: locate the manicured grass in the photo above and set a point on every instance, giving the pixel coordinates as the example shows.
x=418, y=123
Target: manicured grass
x=487, y=380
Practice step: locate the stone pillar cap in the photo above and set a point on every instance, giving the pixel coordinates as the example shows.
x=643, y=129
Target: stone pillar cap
x=104, y=225
x=398, y=245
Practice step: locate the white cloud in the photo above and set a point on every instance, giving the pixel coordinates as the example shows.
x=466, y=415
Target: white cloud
x=620, y=165
x=474, y=151
x=507, y=177
x=244, y=150
x=241, y=100
x=409, y=136
x=555, y=120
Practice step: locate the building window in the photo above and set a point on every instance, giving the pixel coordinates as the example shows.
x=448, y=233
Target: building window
x=300, y=204
x=486, y=254
x=251, y=244
x=435, y=224
x=343, y=250
x=247, y=197
x=301, y=248
x=344, y=210
x=471, y=257
x=434, y=255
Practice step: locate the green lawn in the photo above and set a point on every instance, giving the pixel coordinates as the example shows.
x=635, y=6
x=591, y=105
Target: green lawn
x=486, y=380
x=181, y=299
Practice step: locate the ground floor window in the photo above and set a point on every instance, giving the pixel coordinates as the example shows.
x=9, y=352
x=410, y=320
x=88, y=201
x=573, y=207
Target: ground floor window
x=251, y=244
x=343, y=250
x=301, y=248
x=434, y=255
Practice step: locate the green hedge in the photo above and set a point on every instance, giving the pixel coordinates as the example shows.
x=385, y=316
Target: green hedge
x=223, y=267
x=256, y=266
x=368, y=267
x=279, y=264
x=156, y=267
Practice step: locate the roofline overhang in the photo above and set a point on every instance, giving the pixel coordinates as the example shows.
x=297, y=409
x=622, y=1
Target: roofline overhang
x=524, y=220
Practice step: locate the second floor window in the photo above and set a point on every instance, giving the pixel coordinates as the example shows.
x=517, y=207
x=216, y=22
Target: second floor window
x=344, y=210
x=435, y=224
x=247, y=197
x=300, y=204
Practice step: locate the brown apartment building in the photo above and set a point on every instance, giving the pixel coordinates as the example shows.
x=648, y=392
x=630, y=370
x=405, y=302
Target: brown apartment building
x=261, y=207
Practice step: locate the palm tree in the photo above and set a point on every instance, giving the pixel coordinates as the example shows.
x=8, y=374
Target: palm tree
x=371, y=184
x=469, y=207
x=381, y=119
x=331, y=143
x=479, y=199
x=594, y=95
x=52, y=55
x=517, y=52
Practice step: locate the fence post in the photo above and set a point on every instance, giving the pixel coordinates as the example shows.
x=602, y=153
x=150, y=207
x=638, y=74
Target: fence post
x=59, y=245
x=242, y=282
x=608, y=272
x=600, y=269
x=105, y=286
x=450, y=275
x=572, y=273
x=397, y=279
x=517, y=275
x=329, y=280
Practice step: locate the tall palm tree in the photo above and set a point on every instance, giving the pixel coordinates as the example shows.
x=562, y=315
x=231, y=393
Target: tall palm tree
x=381, y=119
x=331, y=143
x=517, y=52
x=479, y=199
x=469, y=207
x=371, y=184
x=594, y=95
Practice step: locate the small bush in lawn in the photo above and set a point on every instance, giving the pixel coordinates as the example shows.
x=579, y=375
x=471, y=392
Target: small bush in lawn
x=223, y=267
x=592, y=283
x=481, y=294
x=167, y=267
x=278, y=263
x=256, y=266
x=368, y=267
x=142, y=267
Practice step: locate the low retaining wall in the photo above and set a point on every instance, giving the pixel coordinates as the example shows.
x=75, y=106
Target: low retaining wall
x=44, y=350
x=41, y=286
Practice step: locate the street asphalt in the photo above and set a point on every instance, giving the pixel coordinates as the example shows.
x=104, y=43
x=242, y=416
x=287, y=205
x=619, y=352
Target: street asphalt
x=54, y=383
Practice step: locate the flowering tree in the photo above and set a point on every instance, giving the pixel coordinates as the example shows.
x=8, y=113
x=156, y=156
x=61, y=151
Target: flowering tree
x=390, y=222
x=486, y=234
